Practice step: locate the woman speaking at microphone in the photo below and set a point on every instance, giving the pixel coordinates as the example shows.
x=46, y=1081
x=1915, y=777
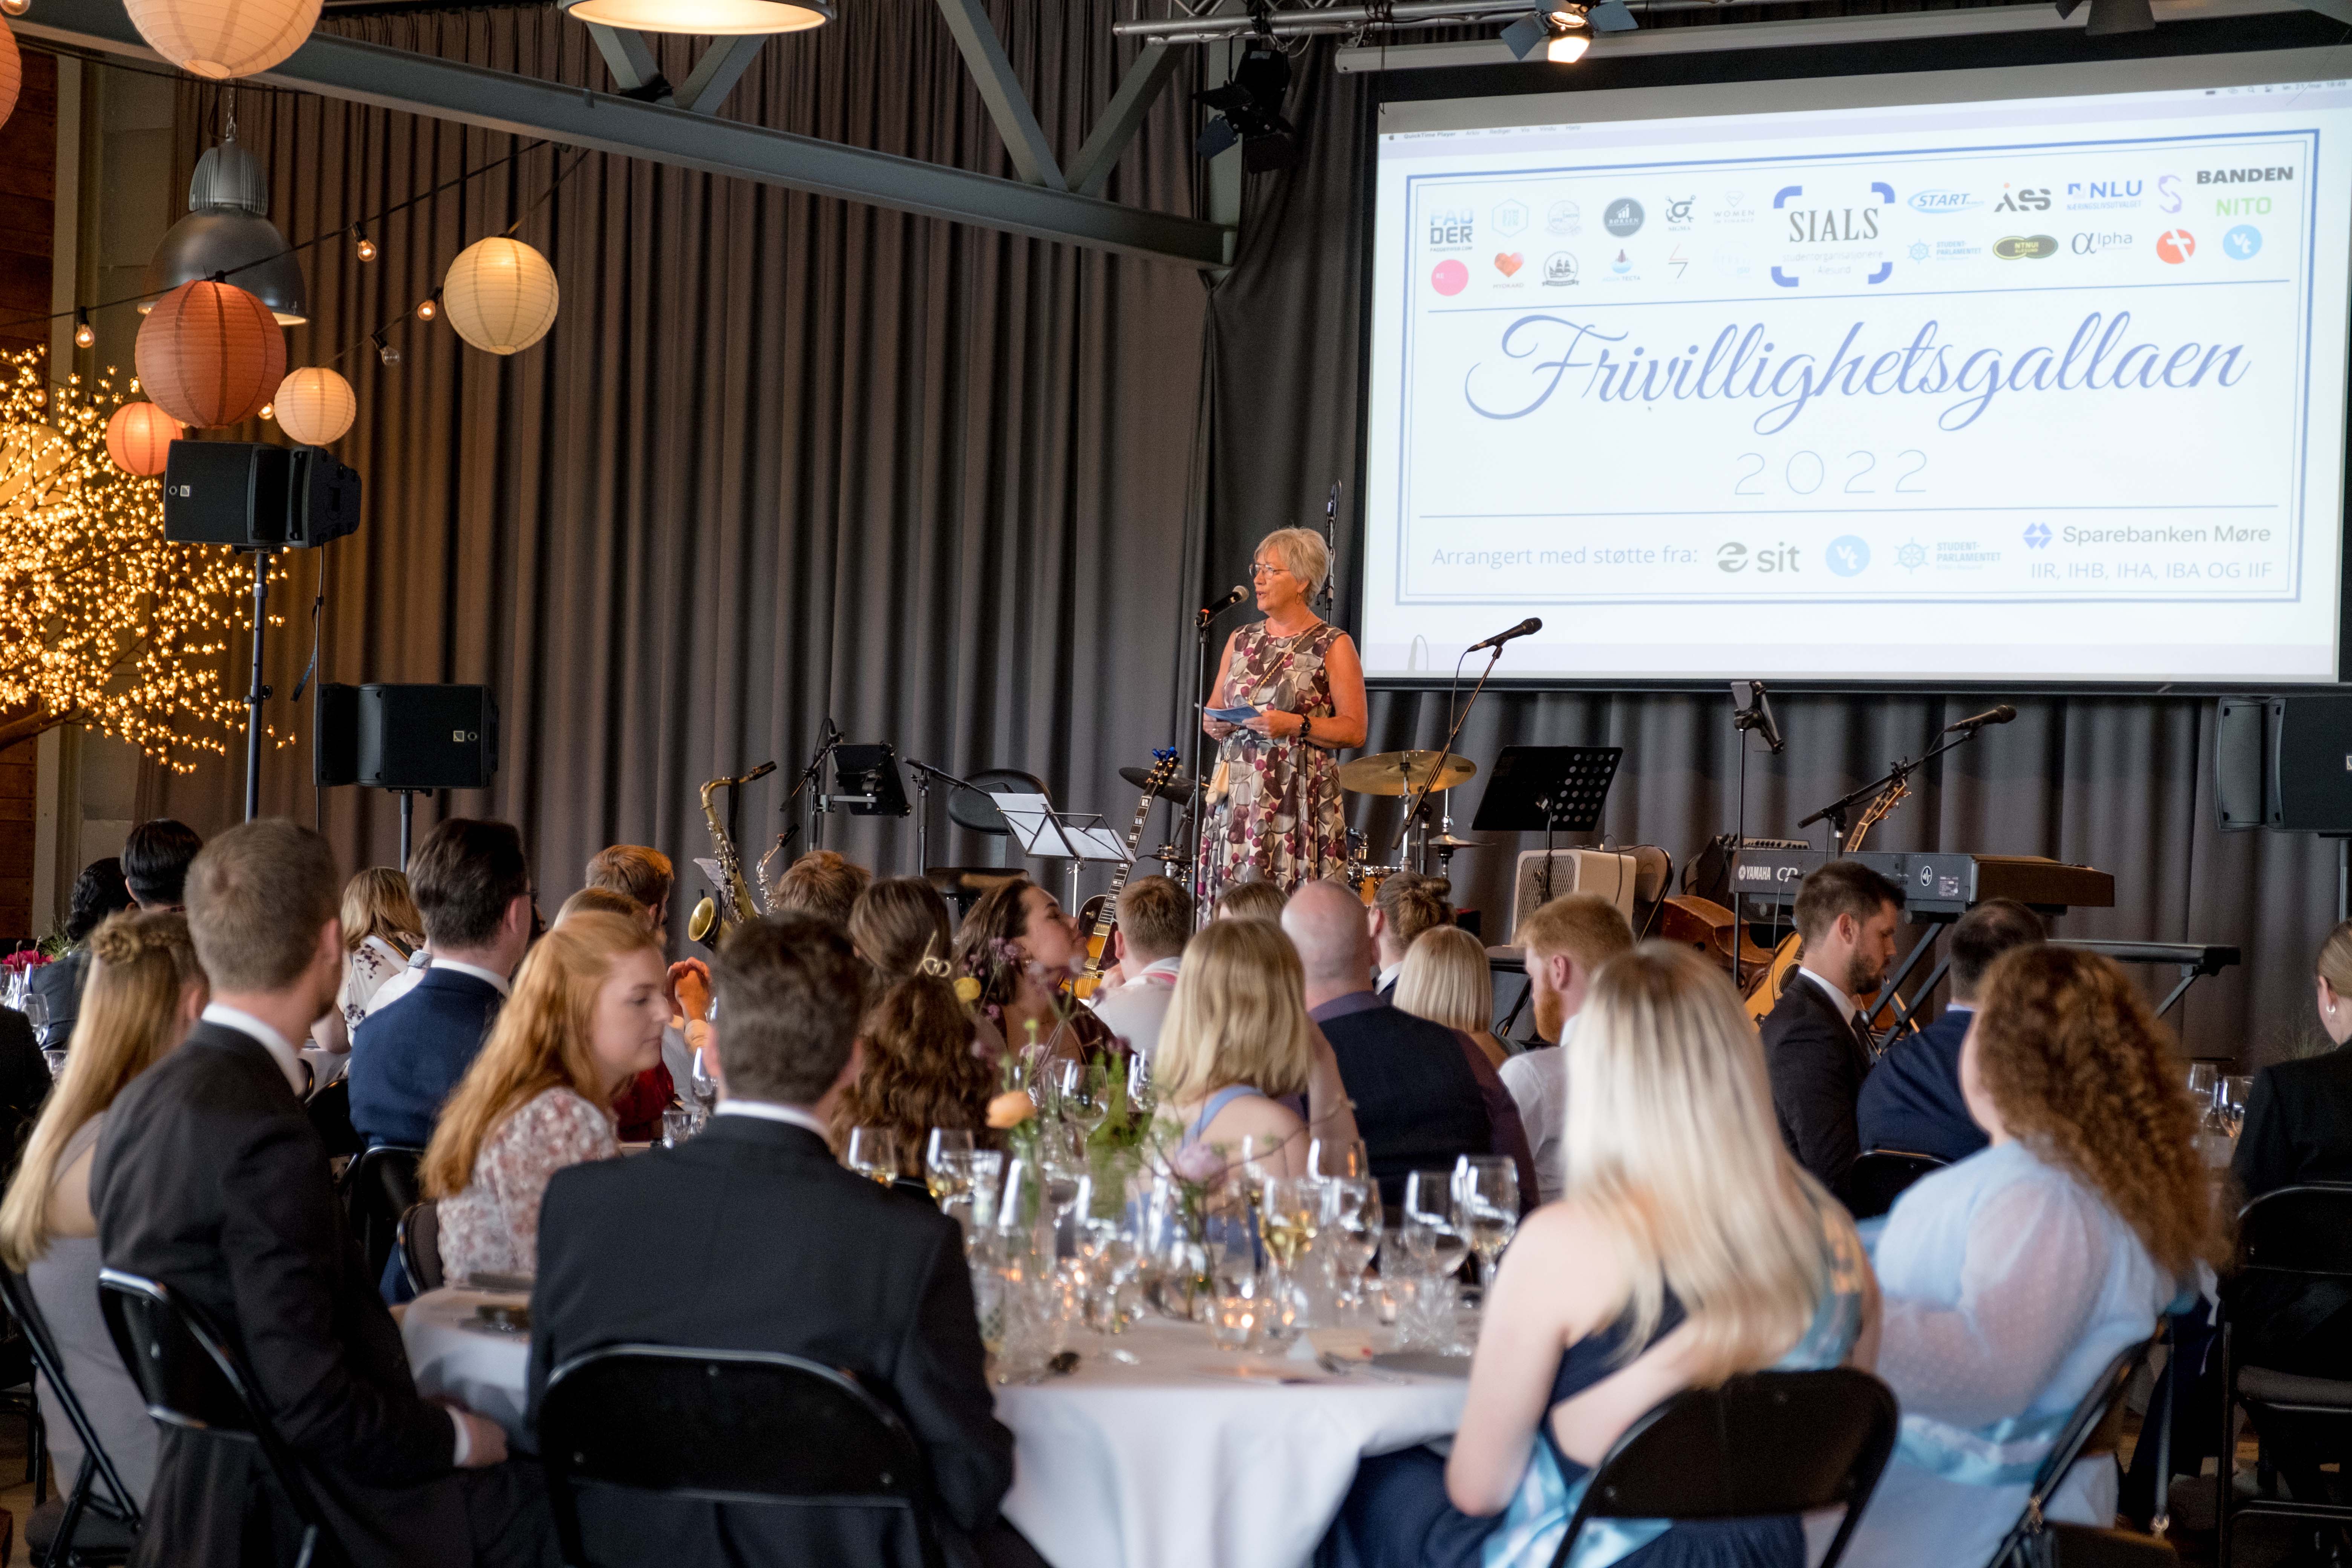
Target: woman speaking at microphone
x=1274, y=794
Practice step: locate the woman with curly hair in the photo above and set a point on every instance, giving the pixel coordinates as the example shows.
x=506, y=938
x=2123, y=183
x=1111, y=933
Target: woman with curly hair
x=1020, y=949
x=919, y=1070
x=2013, y=1277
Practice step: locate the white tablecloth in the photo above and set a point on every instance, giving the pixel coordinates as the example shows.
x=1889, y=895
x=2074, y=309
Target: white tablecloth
x=1151, y=1466
x=455, y=1356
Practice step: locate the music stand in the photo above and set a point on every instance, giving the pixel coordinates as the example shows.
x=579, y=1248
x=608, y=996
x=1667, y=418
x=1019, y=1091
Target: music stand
x=1045, y=834
x=866, y=782
x=1547, y=789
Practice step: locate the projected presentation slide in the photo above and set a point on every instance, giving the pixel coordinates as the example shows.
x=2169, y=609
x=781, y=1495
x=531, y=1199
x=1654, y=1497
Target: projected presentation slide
x=2034, y=388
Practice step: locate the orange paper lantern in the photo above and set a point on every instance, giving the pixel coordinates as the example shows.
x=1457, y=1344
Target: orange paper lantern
x=139, y=438
x=211, y=354
x=12, y=73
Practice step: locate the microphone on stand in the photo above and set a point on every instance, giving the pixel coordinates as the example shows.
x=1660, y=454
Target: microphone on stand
x=2000, y=715
x=1227, y=603
x=1525, y=628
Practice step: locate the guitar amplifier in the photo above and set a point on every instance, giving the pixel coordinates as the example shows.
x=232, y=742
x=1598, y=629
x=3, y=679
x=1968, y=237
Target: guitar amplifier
x=1605, y=872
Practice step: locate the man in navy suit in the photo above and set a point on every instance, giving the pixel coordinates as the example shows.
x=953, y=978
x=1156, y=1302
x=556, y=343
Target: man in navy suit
x=1911, y=1101
x=473, y=887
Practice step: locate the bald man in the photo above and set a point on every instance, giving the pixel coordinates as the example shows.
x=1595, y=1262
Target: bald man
x=1424, y=1094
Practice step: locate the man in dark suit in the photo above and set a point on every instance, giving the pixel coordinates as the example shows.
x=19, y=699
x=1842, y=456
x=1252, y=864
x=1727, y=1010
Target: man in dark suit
x=1911, y=1101
x=1424, y=1094
x=473, y=887
x=1816, y=1039
x=753, y=1237
x=209, y=1179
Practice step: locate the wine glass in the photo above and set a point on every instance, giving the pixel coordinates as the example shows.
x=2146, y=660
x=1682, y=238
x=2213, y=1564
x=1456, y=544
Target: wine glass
x=1428, y=1235
x=2235, y=1088
x=947, y=1163
x=1339, y=1158
x=1290, y=1213
x=1083, y=1090
x=36, y=1008
x=1486, y=1196
x=704, y=1088
x=2204, y=1078
x=1351, y=1218
x=874, y=1154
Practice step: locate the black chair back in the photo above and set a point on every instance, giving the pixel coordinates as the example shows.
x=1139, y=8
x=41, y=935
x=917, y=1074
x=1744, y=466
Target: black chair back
x=420, y=1246
x=97, y=1465
x=1877, y=1178
x=2298, y=1230
x=1761, y=1445
x=971, y=807
x=380, y=1186
x=330, y=1111
x=191, y=1375
x=747, y=1427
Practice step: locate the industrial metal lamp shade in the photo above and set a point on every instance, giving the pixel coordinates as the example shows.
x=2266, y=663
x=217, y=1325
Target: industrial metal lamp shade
x=224, y=38
x=210, y=355
x=238, y=247
x=139, y=438
x=711, y=17
x=499, y=295
x=12, y=73
x=315, y=406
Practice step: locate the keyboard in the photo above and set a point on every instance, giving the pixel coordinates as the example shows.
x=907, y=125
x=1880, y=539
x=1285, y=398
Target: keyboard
x=1934, y=883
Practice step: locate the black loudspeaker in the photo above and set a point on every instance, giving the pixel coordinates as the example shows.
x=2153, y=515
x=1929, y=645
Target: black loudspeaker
x=2241, y=755
x=256, y=495
x=2310, y=781
x=406, y=737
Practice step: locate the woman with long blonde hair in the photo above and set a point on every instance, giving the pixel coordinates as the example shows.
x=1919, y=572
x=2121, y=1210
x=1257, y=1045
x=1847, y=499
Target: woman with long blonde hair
x=144, y=993
x=381, y=931
x=1445, y=979
x=1687, y=1247
x=2013, y=1277
x=585, y=1017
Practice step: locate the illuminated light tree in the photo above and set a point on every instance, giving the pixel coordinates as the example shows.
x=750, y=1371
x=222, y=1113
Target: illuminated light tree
x=103, y=623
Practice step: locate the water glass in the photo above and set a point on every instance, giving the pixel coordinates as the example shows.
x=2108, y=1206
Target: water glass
x=1486, y=1199
x=1237, y=1304
x=678, y=1126
x=1351, y=1220
x=1425, y=1313
x=874, y=1154
x=1429, y=1236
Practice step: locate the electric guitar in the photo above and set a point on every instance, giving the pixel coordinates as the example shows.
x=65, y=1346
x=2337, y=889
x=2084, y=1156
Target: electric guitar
x=1100, y=915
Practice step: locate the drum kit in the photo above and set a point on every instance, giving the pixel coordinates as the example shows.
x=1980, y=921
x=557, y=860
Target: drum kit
x=1399, y=773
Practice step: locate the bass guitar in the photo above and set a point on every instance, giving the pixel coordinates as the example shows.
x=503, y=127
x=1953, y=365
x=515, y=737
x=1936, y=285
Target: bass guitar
x=1099, y=917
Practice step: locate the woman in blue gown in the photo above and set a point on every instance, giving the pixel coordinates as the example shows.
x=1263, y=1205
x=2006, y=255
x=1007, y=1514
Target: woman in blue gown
x=1688, y=1247
x=2012, y=1278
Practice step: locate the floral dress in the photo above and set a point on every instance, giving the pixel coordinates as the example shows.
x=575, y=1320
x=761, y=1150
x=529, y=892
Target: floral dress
x=1279, y=820
x=492, y=1227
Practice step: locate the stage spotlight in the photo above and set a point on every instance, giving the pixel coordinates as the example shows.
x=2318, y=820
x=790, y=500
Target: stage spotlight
x=1249, y=109
x=2113, y=15
x=1565, y=32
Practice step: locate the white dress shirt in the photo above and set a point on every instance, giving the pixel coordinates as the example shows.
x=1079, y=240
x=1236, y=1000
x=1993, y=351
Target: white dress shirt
x=1136, y=1010
x=769, y=1110
x=401, y=984
x=290, y=1062
x=1847, y=1005
x=1387, y=980
x=1537, y=1080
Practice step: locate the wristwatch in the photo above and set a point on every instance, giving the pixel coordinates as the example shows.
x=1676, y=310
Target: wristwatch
x=1307, y=726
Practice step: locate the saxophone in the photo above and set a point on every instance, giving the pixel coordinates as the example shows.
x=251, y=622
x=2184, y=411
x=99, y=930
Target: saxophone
x=706, y=924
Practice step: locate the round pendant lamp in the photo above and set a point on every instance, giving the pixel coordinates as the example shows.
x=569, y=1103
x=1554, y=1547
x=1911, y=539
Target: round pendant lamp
x=12, y=73
x=713, y=18
x=139, y=438
x=227, y=236
x=315, y=406
x=219, y=39
x=499, y=295
x=210, y=355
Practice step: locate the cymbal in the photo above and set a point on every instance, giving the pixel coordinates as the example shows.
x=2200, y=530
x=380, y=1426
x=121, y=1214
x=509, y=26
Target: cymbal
x=1177, y=789
x=1448, y=842
x=1404, y=772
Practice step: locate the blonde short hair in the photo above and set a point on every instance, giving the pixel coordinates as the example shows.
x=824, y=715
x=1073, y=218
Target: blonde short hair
x=1582, y=926
x=1239, y=1016
x=1445, y=980
x=1303, y=552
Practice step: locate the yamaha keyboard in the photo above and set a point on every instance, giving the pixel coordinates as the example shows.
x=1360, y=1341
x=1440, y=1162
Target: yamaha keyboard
x=1935, y=884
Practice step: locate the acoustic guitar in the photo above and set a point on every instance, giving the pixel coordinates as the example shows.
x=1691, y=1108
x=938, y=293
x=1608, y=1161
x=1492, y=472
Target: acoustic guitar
x=1100, y=916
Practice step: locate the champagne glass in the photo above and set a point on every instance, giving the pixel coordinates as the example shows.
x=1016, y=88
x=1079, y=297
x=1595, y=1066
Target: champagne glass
x=1486, y=1196
x=947, y=1163
x=1339, y=1158
x=1428, y=1235
x=874, y=1154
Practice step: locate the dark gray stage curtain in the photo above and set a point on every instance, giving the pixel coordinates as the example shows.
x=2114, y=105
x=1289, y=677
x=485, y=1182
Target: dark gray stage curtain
x=2122, y=784
x=781, y=459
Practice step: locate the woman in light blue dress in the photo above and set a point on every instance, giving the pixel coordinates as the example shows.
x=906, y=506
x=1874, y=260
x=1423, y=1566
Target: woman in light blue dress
x=1687, y=1247
x=2012, y=1278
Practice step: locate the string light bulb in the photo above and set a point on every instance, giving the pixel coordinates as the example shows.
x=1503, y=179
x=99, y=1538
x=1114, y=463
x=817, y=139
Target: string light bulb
x=84, y=336
x=269, y=411
x=427, y=308
x=15, y=8
x=362, y=246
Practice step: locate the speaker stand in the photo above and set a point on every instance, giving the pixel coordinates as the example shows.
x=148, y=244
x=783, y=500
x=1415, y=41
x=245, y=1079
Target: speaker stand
x=257, y=694
x=407, y=824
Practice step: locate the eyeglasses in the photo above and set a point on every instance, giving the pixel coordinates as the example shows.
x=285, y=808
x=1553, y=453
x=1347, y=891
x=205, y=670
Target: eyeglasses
x=1262, y=569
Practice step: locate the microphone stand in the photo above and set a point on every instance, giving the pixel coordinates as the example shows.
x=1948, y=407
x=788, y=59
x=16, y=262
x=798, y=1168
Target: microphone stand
x=1438, y=767
x=1838, y=810
x=815, y=773
x=1742, y=720
x=924, y=774
x=1196, y=803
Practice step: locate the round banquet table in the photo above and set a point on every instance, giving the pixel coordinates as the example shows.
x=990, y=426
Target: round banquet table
x=1173, y=1462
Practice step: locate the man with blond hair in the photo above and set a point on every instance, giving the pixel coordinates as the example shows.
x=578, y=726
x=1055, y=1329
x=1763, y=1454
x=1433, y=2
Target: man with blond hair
x=1565, y=943
x=821, y=882
x=641, y=875
x=1155, y=919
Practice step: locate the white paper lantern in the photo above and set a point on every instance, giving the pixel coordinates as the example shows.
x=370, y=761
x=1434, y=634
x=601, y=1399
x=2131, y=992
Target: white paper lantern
x=315, y=406
x=224, y=38
x=500, y=295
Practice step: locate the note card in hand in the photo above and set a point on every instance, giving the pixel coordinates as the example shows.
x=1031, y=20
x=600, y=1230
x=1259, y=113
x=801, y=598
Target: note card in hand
x=1232, y=715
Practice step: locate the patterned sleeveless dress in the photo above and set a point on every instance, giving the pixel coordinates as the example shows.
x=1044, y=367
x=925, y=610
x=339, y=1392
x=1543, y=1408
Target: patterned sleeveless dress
x=1280, y=820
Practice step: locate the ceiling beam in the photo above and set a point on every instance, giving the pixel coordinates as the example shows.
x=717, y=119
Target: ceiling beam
x=1090, y=170
x=368, y=73
x=1008, y=105
x=714, y=75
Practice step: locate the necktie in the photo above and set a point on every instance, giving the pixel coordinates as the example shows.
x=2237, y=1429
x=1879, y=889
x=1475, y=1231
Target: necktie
x=1861, y=1028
